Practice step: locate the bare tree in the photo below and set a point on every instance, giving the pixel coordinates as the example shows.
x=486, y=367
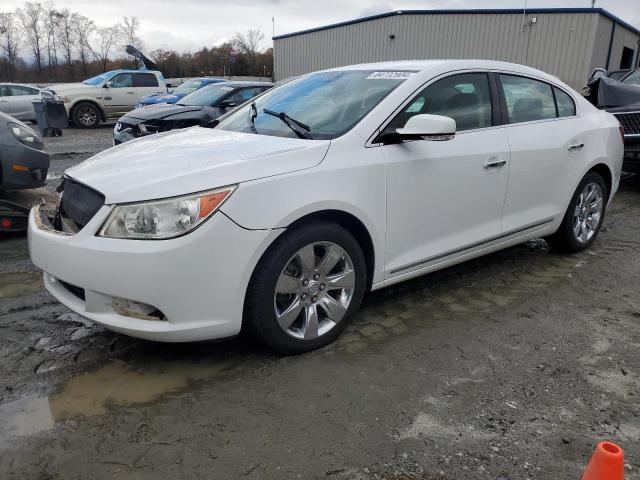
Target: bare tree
x=67, y=37
x=83, y=29
x=9, y=42
x=51, y=21
x=129, y=29
x=248, y=44
x=101, y=46
x=31, y=22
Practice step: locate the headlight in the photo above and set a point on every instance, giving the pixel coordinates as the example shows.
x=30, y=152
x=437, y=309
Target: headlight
x=162, y=219
x=26, y=136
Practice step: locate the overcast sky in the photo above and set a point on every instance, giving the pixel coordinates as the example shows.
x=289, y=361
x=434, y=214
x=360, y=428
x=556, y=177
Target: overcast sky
x=187, y=25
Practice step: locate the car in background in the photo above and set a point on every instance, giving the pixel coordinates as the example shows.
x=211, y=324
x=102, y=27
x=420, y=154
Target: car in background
x=197, y=108
x=279, y=219
x=23, y=161
x=622, y=99
x=108, y=95
x=16, y=100
x=183, y=90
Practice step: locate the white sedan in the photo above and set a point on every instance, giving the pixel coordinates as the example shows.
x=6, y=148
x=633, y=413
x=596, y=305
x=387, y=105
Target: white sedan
x=325, y=187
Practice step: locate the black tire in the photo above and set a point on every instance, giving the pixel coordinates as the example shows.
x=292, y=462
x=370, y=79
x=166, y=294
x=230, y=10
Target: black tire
x=565, y=239
x=86, y=115
x=259, y=311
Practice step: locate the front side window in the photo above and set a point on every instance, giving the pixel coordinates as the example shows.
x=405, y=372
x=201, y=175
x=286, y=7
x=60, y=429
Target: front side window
x=328, y=103
x=244, y=95
x=144, y=80
x=527, y=99
x=465, y=97
x=209, y=95
x=122, y=80
x=566, y=107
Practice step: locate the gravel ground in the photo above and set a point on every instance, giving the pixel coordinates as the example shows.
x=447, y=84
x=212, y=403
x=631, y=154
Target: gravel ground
x=511, y=366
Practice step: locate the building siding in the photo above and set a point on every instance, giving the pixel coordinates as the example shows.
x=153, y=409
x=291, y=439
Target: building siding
x=564, y=44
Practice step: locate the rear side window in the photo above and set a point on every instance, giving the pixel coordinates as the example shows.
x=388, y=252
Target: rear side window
x=21, y=90
x=527, y=99
x=144, y=80
x=465, y=97
x=566, y=107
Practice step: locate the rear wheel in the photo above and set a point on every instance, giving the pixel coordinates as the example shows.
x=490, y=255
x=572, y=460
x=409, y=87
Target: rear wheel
x=306, y=288
x=583, y=219
x=85, y=115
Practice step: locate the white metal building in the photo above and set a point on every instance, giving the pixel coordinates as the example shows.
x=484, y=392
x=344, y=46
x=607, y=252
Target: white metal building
x=566, y=42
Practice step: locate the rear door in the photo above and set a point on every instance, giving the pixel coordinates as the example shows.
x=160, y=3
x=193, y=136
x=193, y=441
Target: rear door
x=5, y=99
x=23, y=98
x=546, y=141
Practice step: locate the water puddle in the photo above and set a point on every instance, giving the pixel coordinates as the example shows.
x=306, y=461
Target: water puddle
x=93, y=393
x=19, y=284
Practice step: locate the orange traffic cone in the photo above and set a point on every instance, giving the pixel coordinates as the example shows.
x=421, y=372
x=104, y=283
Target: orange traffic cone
x=607, y=463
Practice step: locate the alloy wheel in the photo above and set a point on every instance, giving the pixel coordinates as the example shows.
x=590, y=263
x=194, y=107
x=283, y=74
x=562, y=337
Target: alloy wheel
x=314, y=290
x=87, y=116
x=588, y=212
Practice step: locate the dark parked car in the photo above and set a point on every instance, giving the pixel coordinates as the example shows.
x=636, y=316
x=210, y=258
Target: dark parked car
x=622, y=99
x=23, y=161
x=197, y=108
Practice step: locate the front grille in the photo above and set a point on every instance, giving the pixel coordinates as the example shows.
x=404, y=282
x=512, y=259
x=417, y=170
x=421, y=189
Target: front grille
x=79, y=203
x=630, y=121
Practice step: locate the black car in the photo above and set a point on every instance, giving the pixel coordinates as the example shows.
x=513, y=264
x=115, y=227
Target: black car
x=197, y=108
x=622, y=99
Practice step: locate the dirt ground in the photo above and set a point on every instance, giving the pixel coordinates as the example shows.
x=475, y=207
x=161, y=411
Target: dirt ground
x=511, y=366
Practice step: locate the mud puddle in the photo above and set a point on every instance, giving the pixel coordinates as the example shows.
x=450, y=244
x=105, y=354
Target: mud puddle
x=20, y=283
x=94, y=393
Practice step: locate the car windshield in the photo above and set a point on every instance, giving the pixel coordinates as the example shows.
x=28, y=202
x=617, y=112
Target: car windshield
x=206, y=95
x=188, y=87
x=633, y=78
x=98, y=79
x=328, y=103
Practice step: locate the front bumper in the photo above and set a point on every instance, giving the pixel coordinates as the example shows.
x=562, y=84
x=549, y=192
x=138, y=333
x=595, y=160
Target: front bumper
x=23, y=167
x=198, y=281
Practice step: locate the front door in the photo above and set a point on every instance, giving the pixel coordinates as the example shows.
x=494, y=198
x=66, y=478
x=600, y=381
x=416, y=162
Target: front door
x=120, y=96
x=445, y=197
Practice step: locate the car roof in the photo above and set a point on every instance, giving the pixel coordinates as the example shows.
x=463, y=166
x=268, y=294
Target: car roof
x=20, y=85
x=131, y=71
x=446, y=64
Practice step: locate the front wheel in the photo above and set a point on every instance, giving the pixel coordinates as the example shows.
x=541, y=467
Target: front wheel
x=306, y=288
x=85, y=115
x=584, y=217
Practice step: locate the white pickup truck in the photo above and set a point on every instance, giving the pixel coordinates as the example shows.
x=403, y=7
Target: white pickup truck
x=108, y=95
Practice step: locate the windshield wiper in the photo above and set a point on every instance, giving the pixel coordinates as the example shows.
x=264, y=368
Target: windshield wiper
x=299, y=128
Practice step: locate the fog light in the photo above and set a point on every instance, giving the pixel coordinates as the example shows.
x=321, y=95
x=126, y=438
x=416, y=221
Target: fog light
x=141, y=311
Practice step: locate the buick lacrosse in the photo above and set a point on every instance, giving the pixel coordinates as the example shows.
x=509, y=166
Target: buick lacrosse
x=280, y=218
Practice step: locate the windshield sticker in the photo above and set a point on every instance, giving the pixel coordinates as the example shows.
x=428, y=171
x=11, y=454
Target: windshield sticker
x=390, y=75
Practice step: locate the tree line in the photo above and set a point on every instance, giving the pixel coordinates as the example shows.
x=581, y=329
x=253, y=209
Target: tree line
x=40, y=43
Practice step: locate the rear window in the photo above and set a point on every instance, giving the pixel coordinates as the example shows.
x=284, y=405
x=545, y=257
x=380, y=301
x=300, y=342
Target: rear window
x=144, y=80
x=527, y=99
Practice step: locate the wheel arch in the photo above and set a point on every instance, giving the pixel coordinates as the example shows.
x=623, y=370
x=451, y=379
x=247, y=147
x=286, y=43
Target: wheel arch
x=353, y=225
x=605, y=172
x=87, y=100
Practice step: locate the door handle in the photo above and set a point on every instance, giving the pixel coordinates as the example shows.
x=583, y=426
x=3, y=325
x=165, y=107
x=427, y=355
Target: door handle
x=3, y=101
x=494, y=163
x=576, y=147
x=131, y=93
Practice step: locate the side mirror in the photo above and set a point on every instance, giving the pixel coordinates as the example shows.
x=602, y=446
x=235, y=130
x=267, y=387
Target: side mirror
x=598, y=73
x=422, y=127
x=109, y=84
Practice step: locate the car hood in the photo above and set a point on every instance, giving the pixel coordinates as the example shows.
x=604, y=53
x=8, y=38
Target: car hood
x=159, y=111
x=67, y=88
x=192, y=160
